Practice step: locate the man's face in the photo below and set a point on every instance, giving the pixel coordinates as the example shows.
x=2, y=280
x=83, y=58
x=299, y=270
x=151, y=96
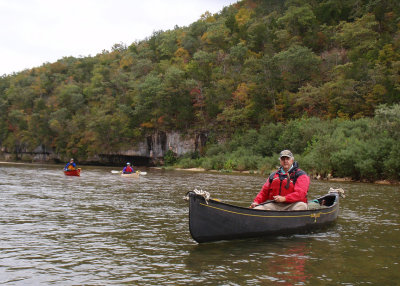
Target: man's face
x=286, y=162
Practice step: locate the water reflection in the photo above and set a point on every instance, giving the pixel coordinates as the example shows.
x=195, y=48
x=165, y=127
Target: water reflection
x=282, y=260
x=289, y=266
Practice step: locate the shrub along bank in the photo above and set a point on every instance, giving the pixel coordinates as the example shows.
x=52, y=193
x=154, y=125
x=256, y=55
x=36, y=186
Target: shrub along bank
x=363, y=149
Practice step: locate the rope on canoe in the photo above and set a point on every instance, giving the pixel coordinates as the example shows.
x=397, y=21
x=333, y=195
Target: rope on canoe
x=204, y=194
x=340, y=191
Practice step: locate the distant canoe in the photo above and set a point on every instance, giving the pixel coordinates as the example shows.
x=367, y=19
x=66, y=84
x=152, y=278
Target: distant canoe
x=131, y=175
x=76, y=172
x=211, y=220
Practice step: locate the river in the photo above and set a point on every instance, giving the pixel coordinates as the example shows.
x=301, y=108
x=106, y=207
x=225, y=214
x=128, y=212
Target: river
x=102, y=229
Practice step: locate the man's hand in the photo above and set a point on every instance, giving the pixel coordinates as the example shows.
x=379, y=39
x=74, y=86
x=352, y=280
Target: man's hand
x=279, y=199
x=253, y=205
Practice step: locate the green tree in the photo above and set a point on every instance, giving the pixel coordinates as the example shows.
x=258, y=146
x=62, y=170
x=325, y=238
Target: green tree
x=297, y=65
x=359, y=36
x=200, y=67
x=148, y=101
x=298, y=20
x=70, y=96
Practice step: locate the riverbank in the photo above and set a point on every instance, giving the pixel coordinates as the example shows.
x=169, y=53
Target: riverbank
x=209, y=171
x=332, y=179
x=246, y=172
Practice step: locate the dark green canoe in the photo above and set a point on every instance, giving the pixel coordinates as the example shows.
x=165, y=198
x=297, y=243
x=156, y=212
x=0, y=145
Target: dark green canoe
x=212, y=220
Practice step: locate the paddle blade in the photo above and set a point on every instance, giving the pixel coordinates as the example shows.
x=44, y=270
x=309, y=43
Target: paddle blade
x=115, y=172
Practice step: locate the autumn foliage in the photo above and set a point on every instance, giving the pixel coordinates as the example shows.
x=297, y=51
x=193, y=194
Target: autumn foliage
x=256, y=62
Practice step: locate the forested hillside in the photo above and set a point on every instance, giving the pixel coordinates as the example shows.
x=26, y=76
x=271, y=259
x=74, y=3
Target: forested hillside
x=254, y=64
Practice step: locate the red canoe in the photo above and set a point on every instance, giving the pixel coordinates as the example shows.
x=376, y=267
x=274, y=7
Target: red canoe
x=76, y=172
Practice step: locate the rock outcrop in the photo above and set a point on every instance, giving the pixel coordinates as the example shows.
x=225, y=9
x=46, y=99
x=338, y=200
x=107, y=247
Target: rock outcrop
x=149, y=151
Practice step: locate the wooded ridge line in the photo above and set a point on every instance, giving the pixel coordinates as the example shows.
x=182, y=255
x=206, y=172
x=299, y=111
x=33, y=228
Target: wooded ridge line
x=258, y=69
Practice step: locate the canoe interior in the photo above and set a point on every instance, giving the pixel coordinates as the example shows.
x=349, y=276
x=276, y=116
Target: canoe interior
x=214, y=220
x=132, y=175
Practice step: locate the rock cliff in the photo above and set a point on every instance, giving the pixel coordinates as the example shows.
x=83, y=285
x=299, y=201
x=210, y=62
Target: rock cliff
x=150, y=151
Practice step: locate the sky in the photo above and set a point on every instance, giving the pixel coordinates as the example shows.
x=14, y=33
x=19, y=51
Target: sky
x=34, y=32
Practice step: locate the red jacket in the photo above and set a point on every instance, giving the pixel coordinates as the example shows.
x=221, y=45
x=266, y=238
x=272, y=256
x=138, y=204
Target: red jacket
x=296, y=192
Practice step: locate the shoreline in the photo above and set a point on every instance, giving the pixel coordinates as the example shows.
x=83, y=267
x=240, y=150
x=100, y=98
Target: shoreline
x=378, y=182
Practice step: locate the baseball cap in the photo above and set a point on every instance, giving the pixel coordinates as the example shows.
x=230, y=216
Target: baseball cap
x=286, y=153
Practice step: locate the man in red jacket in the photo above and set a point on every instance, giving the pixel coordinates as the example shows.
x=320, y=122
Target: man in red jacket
x=286, y=188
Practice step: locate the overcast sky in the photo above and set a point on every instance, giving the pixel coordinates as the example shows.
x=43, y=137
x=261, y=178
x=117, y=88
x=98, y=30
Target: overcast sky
x=33, y=32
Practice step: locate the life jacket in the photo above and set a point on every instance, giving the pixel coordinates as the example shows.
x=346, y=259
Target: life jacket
x=279, y=183
x=128, y=169
x=71, y=167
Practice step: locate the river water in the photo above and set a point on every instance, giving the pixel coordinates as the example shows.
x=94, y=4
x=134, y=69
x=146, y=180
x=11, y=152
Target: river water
x=102, y=229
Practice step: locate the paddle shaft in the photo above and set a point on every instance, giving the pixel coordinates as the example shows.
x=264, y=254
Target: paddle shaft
x=266, y=202
x=76, y=169
x=119, y=172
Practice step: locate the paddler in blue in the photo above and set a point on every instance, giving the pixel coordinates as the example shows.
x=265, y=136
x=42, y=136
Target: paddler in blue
x=128, y=169
x=71, y=166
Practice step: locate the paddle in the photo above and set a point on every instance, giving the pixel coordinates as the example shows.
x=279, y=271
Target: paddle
x=264, y=203
x=70, y=170
x=119, y=172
